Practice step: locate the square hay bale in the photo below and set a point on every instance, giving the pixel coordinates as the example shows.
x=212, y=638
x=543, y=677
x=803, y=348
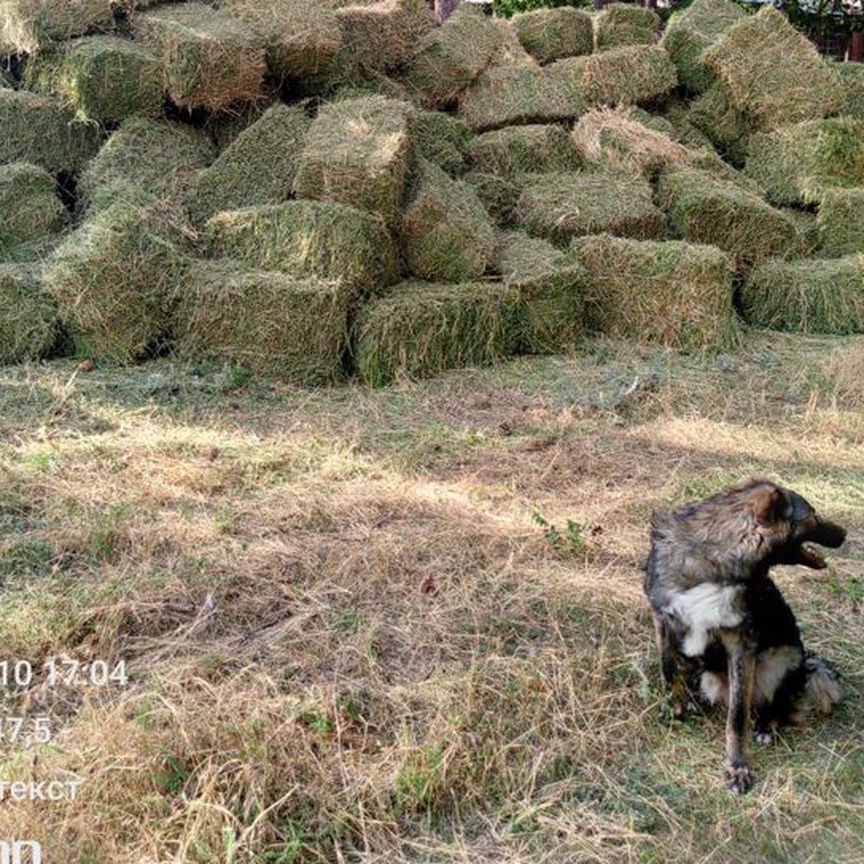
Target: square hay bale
x=441, y=138
x=549, y=287
x=704, y=208
x=309, y=239
x=257, y=168
x=561, y=206
x=632, y=75
x=498, y=194
x=27, y=26
x=625, y=24
x=29, y=325
x=43, y=130
x=522, y=149
x=358, y=152
x=675, y=293
x=691, y=32
x=677, y=112
x=811, y=296
x=808, y=239
x=29, y=206
x=726, y=127
x=266, y=322
x=113, y=277
x=796, y=164
x=209, y=59
x=774, y=74
x=552, y=34
x=103, y=78
x=421, y=329
x=841, y=221
x=446, y=234
x=852, y=81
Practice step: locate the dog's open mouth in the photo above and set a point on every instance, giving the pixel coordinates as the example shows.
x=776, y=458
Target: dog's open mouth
x=809, y=557
x=825, y=534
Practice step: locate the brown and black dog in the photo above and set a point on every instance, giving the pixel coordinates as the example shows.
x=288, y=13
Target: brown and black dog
x=720, y=620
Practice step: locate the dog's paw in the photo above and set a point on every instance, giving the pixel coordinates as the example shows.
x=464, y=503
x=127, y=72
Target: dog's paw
x=739, y=779
x=764, y=737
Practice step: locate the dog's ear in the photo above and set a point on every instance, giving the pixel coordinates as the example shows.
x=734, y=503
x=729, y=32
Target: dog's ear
x=767, y=505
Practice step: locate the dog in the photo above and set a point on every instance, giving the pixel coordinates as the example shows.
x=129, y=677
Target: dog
x=720, y=619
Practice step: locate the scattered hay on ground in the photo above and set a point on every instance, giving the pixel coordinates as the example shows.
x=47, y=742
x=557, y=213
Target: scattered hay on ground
x=29, y=206
x=811, y=296
x=552, y=34
x=632, y=75
x=726, y=127
x=625, y=24
x=841, y=221
x=674, y=293
x=26, y=26
x=29, y=325
x=845, y=371
x=498, y=194
x=522, y=149
x=852, y=81
x=441, y=138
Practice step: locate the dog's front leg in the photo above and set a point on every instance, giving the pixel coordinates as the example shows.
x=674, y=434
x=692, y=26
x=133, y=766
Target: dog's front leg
x=742, y=672
x=673, y=675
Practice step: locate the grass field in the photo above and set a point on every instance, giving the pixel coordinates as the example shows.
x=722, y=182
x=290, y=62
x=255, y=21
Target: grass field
x=407, y=624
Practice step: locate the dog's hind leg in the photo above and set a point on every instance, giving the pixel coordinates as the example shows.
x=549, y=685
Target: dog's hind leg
x=742, y=673
x=670, y=665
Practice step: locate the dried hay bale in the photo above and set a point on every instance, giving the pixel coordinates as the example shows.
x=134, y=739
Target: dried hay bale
x=209, y=59
x=266, y=322
x=523, y=149
x=811, y=296
x=773, y=73
x=499, y=195
x=26, y=26
x=104, y=78
x=441, y=138
x=852, y=80
x=691, y=32
x=309, y=239
x=43, y=130
x=446, y=234
x=552, y=34
x=841, y=221
x=420, y=329
x=726, y=127
x=674, y=293
x=561, y=206
x=657, y=122
x=708, y=160
x=549, y=287
x=224, y=128
x=29, y=325
x=29, y=206
x=677, y=113
x=631, y=75
x=808, y=238
x=798, y=163
x=257, y=168
x=625, y=24
x=566, y=76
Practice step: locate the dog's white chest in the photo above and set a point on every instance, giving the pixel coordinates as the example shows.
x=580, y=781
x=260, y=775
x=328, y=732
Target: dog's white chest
x=704, y=608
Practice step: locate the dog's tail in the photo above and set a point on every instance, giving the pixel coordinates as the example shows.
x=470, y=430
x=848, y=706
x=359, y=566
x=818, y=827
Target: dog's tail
x=824, y=686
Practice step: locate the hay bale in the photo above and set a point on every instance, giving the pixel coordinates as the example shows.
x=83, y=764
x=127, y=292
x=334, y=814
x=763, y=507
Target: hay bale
x=308, y=239
x=27, y=26
x=796, y=164
x=707, y=159
x=773, y=73
x=499, y=195
x=852, y=80
x=808, y=239
x=103, y=78
x=549, y=288
x=677, y=113
x=29, y=325
x=113, y=277
x=257, y=168
x=446, y=234
x=43, y=130
x=812, y=296
x=657, y=122
x=725, y=126
x=625, y=24
x=552, y=34
x=691, y=32
x=441, y=138
x=265, y=322
x=522, y=149
x=841, y=221
x=561, y=206
x=420, y=329
x=358, y=152
x=704, y=208
x=632, y=75
x=674, y=293
x=29, y=206
x=209, y=59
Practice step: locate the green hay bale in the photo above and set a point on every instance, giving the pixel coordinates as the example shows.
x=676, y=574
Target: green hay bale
x=257, y=168
x=309, y=239
x=446, y=234
x=441, y=138
x=523, y=148
x=631, y=75
x=674, y=293
x=798, y=163
x=707, y=159
x=29, y=206
x=29, y=325
x=808, y=239
x=812, y=296
x=103, y=78
x=549, y=288
x=560, y=206
x=209, y=59
x=420, y=329
x=852, y=80
x=26, y=26
x=625, y=24
x=841, y=221
x=677, y=113
x=358, y=152
x=551, y=34
x=113, y=277
x=224, y=128
x=499, y=195
x=266, y=322
x=704, y=208
x=691, y=32
x=43, y=130
x=773, y=73
x=156, y=157
x=651, y=121
x=725, y=126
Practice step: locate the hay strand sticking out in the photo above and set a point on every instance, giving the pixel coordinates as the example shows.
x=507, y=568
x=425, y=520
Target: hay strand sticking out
x=631, y=75
x=441, y=138
x=29, y=206
x=27, y=26
x=625, y=24
x=552, y=34
x=29, y=325
x=523, y=148
x=841, y=221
